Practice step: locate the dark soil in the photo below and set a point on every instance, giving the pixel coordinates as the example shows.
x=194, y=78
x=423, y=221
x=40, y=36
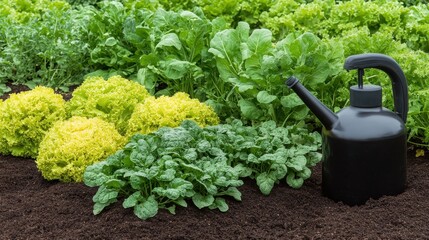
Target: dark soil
x=33, y=208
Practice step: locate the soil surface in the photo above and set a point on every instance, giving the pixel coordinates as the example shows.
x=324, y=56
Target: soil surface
x=33, y=208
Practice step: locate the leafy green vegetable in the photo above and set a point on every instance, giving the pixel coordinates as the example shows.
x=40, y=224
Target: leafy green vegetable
x=72, y=145
x=166, y=111
x=50, y=50
x=254, y=68
x=26, y=117
x=112, y=100
x=165, y=168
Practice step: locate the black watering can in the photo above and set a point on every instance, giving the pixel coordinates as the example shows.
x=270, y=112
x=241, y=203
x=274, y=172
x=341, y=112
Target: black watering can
x=364, y=145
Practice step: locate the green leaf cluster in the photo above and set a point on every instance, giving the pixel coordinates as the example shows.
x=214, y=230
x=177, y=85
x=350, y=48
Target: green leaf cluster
x=254, y=68
x=166, y=111
x=166, y=168
x=25, y=10
x=72, y=145
x=49, y=50
x=26, y=117
x=112, y=100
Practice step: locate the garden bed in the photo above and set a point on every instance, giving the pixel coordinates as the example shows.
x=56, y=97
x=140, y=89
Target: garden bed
x=33, y=208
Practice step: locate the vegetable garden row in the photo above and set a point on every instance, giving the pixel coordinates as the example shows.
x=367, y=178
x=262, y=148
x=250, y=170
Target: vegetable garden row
x=181, y=100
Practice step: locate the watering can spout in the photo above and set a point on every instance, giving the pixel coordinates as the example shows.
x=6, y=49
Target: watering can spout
x=324, y=114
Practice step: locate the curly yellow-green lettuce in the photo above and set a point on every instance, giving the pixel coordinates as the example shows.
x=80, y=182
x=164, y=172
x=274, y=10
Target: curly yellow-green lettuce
x=26, y=117
x=169, y=112
x=72, y=145
x=112, y=100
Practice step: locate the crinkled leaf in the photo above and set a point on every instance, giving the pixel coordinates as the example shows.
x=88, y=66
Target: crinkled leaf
x=297, y=163
x=167, y=175
x=293, y=181
x=305, y=173
x=105, y=195
x=132, y=200
x=93, y=177
x=265, y=183
x=146, y=209
x=202, y=201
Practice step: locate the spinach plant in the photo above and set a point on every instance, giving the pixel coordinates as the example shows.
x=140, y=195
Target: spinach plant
x=167, y=168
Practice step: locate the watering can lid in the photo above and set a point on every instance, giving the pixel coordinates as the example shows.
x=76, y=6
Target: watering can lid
x=366, y=96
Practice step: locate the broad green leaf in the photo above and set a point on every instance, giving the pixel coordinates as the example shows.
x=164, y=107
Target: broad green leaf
x=181, y=202
x=170, y=193
x=249, y=109
x=98, y=207
x=245, y=51
x=167, y=175
x=115, y=184
x=132, y=200
x=189, y=15
x=265, y=183
x=172, y=209
x=305, y=173
x=147, y=208
x=297, y=163
x=243, y=30
x=202, y=201
x=220, y=204
x=293, y=181
x=299, y=113
x=291, y=101
x=265, y=97
x=225, y=44
x=147, y=78
x=93, y=177
x=175, y=69
x=105, y=195
x=149, y=59
x=170, y=40
x=259, y=41
x=233, y=192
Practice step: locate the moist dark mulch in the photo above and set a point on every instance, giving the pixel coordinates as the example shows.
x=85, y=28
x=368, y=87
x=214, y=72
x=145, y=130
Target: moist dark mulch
x=33, y=208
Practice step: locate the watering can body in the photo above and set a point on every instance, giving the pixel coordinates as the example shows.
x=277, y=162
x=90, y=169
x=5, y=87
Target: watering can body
x=364, y=145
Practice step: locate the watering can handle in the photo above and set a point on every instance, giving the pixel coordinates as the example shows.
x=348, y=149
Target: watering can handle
x=392, y=68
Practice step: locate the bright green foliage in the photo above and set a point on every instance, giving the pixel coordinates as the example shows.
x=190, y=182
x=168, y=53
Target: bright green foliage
x=51, y=51
x=175, y=51
x=269, y=154
x=26, y=117
x=167, y=167
x=72, y=145
x=419, y=118
x=255, y=68
x=169, y=112
x=153, y=47
x=25, y=10
x=164, y=169
x=112, y=100
x=416, y=30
